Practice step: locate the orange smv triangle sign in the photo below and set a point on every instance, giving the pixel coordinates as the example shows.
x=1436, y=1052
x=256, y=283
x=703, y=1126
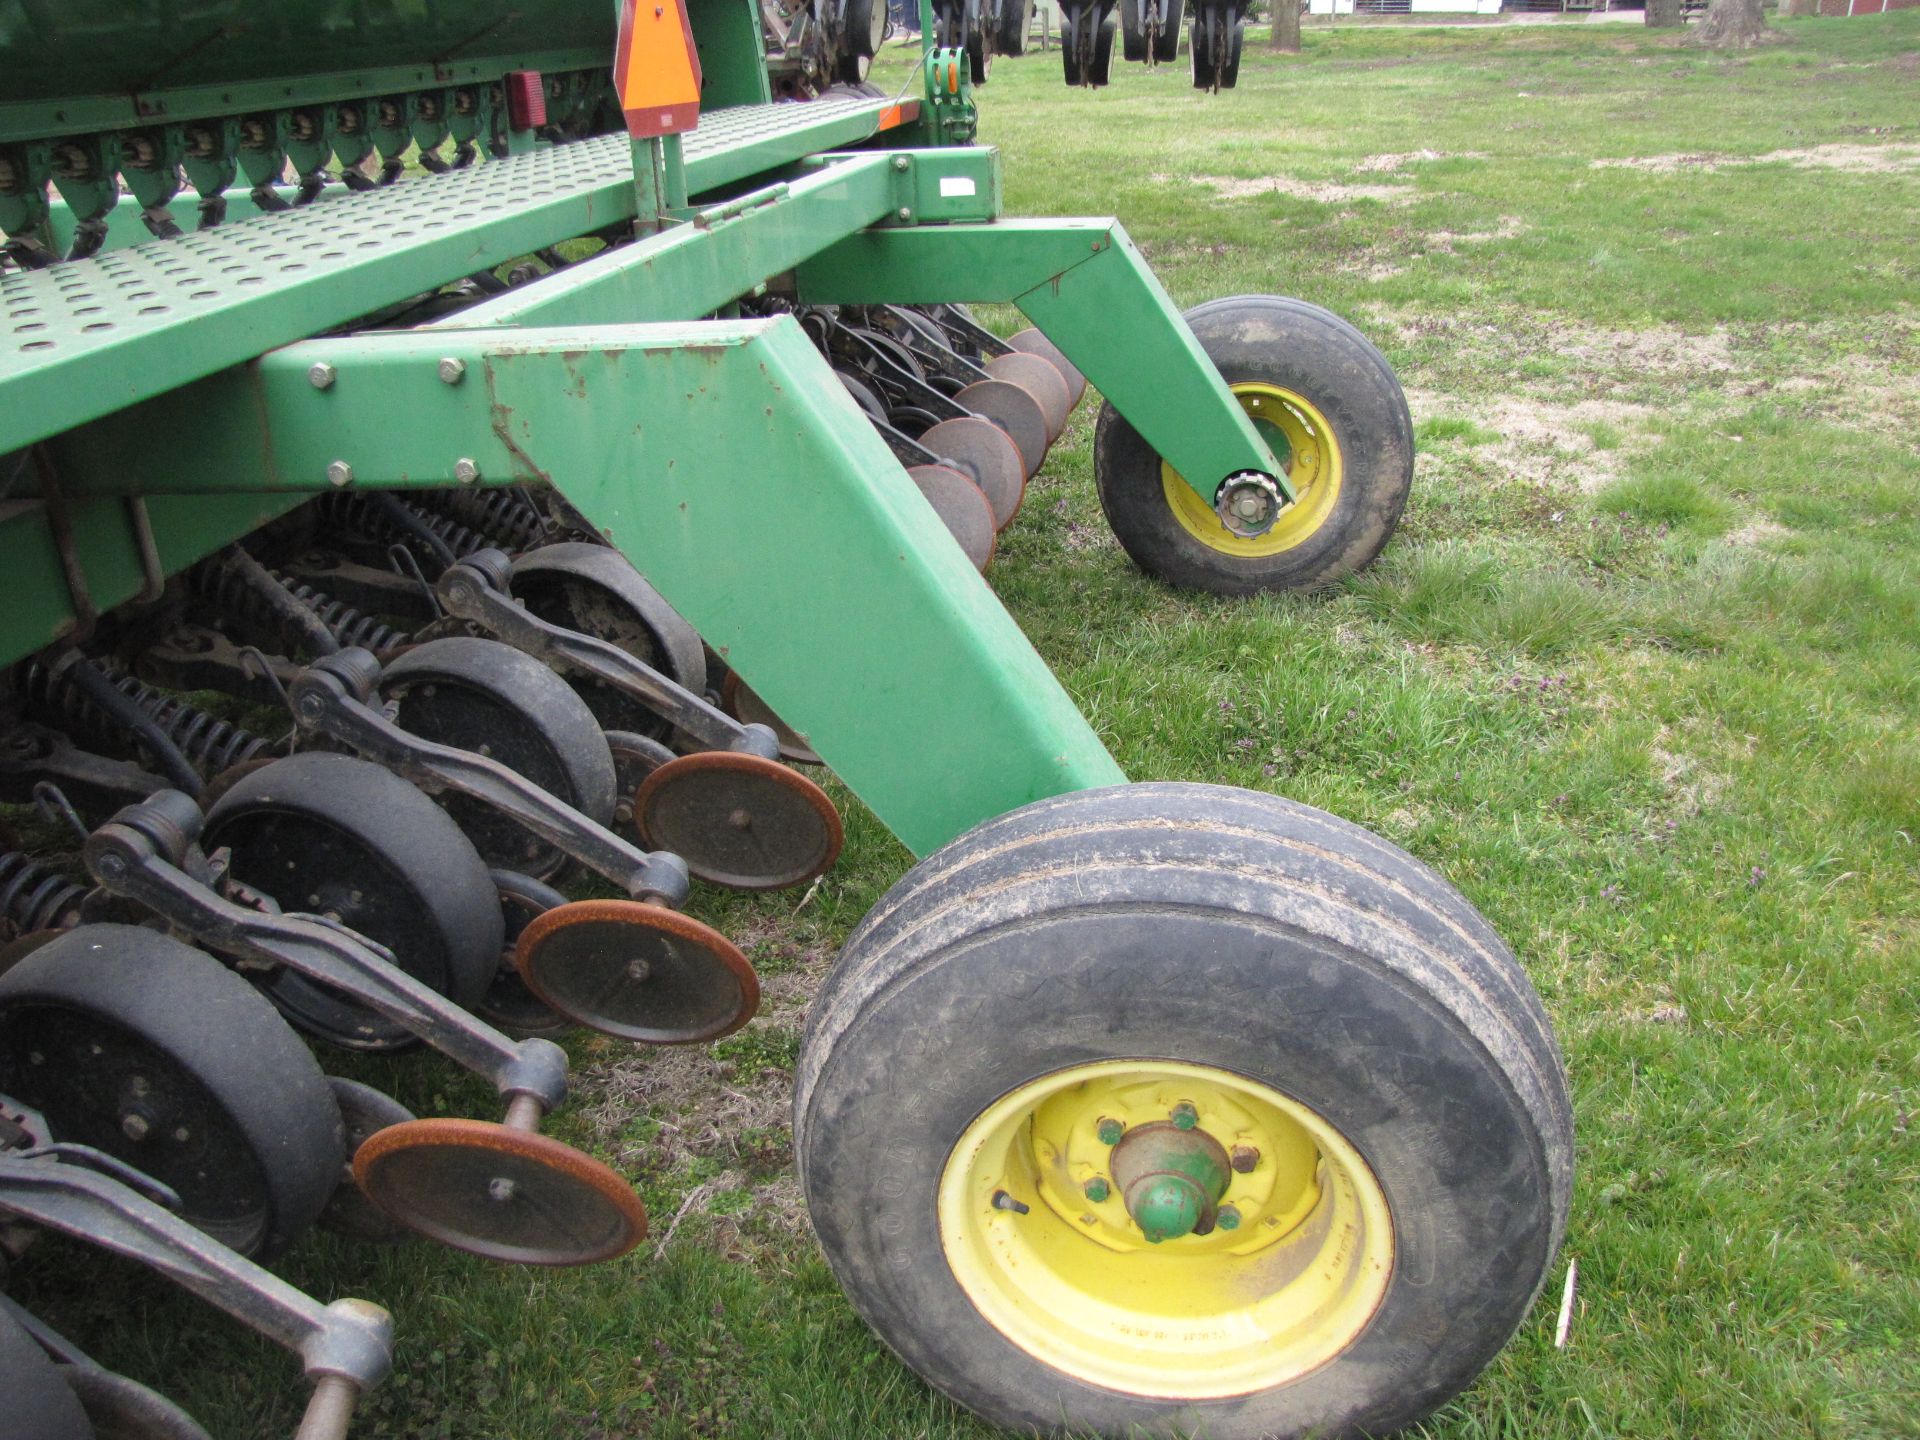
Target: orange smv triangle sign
x=656, y=71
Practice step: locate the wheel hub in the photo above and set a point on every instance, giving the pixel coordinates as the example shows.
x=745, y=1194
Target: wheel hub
x=1171, y=1180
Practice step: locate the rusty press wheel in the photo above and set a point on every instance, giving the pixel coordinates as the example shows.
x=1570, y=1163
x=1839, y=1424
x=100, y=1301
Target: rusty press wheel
x=1015, y=411
x=1032, y=342
x=982, y=451
x=738, y=699
x=739, y=820
x=641, y=972
x=500, y=1193
x=966, y=513
x=1040, y=379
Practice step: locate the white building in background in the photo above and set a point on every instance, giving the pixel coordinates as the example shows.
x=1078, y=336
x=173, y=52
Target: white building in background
x=1409, y=7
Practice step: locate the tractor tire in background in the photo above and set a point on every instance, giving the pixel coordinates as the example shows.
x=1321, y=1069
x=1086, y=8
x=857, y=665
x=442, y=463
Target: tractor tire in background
x=1177, y=1109
x=1327, y=401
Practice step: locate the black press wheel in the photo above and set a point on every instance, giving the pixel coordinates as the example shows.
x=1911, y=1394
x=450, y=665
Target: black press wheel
x=1327, y=402
x=39, y=1404
x=339, y=836
x=129, y=1041
x=1176, y=1109
x=596, y=590
x=487, y=697
x=124, y=1409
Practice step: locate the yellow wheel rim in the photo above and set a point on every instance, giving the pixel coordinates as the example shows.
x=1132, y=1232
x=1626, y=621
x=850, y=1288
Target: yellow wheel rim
x=1074, y=1282
x=1304, y=444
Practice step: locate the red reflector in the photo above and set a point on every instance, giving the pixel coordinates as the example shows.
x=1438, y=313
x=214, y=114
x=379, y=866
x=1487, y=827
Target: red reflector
x=526, y=100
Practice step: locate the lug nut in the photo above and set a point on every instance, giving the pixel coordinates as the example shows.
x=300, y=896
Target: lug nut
x=452, y=369
x=339, y=473
x=1227, y=1218
x=1184, y=1116
x=321, y=375
x=134, y=1126
x=1111, y=1131
x=1096, y=1190
x=1244, y=1158
x=465, y=470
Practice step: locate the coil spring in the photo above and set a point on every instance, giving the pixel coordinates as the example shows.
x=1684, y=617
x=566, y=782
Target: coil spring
x=33, y=897
x=230, y=594
x=354, y=513
x=211, y=744
x=506, y=517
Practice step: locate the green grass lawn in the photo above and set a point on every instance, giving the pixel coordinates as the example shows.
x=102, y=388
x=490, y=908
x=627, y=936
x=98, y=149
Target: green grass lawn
x=1640, y=673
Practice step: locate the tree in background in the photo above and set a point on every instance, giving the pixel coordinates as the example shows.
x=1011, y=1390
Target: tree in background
x=1733, y=25
x=1286, y=26
x=1663, y=13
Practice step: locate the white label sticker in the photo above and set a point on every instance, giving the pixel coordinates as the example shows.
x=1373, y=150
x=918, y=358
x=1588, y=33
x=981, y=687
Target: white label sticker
x=952, y=185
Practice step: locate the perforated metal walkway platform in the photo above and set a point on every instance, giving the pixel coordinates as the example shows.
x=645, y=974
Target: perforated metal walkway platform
x=84, y=339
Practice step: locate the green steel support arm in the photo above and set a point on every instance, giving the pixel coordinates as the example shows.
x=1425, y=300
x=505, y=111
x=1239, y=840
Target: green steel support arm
x=726, y=460
x=700, y=265
x=1087, y=287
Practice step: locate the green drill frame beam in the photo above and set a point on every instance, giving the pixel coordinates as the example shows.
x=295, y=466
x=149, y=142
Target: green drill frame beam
x=825, y=579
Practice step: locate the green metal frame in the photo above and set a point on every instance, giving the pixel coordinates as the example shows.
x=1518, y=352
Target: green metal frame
x=722, y=456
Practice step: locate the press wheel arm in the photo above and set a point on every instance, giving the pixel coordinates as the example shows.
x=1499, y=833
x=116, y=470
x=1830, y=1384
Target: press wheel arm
x=345, y=1347
x=127, y=859
x=476, y=590
x=328, y=698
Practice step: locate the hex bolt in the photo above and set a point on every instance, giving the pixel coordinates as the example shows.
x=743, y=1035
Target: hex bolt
x=1111, y=1130
x=134, y=1126
x=339, y=473
x=321, y=375
x=452, y=369
x=905, y=213
x=1244, y=1158
x=1227, y=1218
x=1184, y=1116
x=465, y=470
x=1003, y=1201
x=900, y=162
x=1096, y=1189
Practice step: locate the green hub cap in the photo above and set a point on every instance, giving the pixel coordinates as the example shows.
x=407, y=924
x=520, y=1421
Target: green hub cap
x=1171, y=1179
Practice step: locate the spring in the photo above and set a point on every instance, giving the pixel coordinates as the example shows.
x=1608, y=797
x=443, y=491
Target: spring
x=385, y=515
x=33, y=897
x=507, y=517
x=209, y=745
x=229, y=594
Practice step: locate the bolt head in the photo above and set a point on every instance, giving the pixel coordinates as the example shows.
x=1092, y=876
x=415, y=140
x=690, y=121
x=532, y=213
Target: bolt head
x=1111, y=1131
x=339, y=473
x=500, y=1189
x=452, y=369
x=1227, y=1218
x=900, y=162
x=905, y=213
x=134, y=1127
x=1184, y=1116
x=321, y=375
x=1096, y=1189
x=466, y=470
x=1245, y=1158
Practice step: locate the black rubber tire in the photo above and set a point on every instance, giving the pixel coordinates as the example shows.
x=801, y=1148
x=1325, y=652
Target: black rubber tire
x=537, y=726
x=1166, y=45
x=39, y=1405
x=1319, y=356
x=1212, y=926
x=1102, y=70
x=221, y=1047
x=124, y=1409
x=439, y=914
x=1011, y=26
x=1133, y=39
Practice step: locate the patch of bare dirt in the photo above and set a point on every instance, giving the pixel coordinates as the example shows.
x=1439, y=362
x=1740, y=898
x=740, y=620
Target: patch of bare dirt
x=1394, y=164
x=1443, y=242
x=1321, y=192
x=1756, y=532
x=1691, y=785
x=1891, y=159
x=1546, y=443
